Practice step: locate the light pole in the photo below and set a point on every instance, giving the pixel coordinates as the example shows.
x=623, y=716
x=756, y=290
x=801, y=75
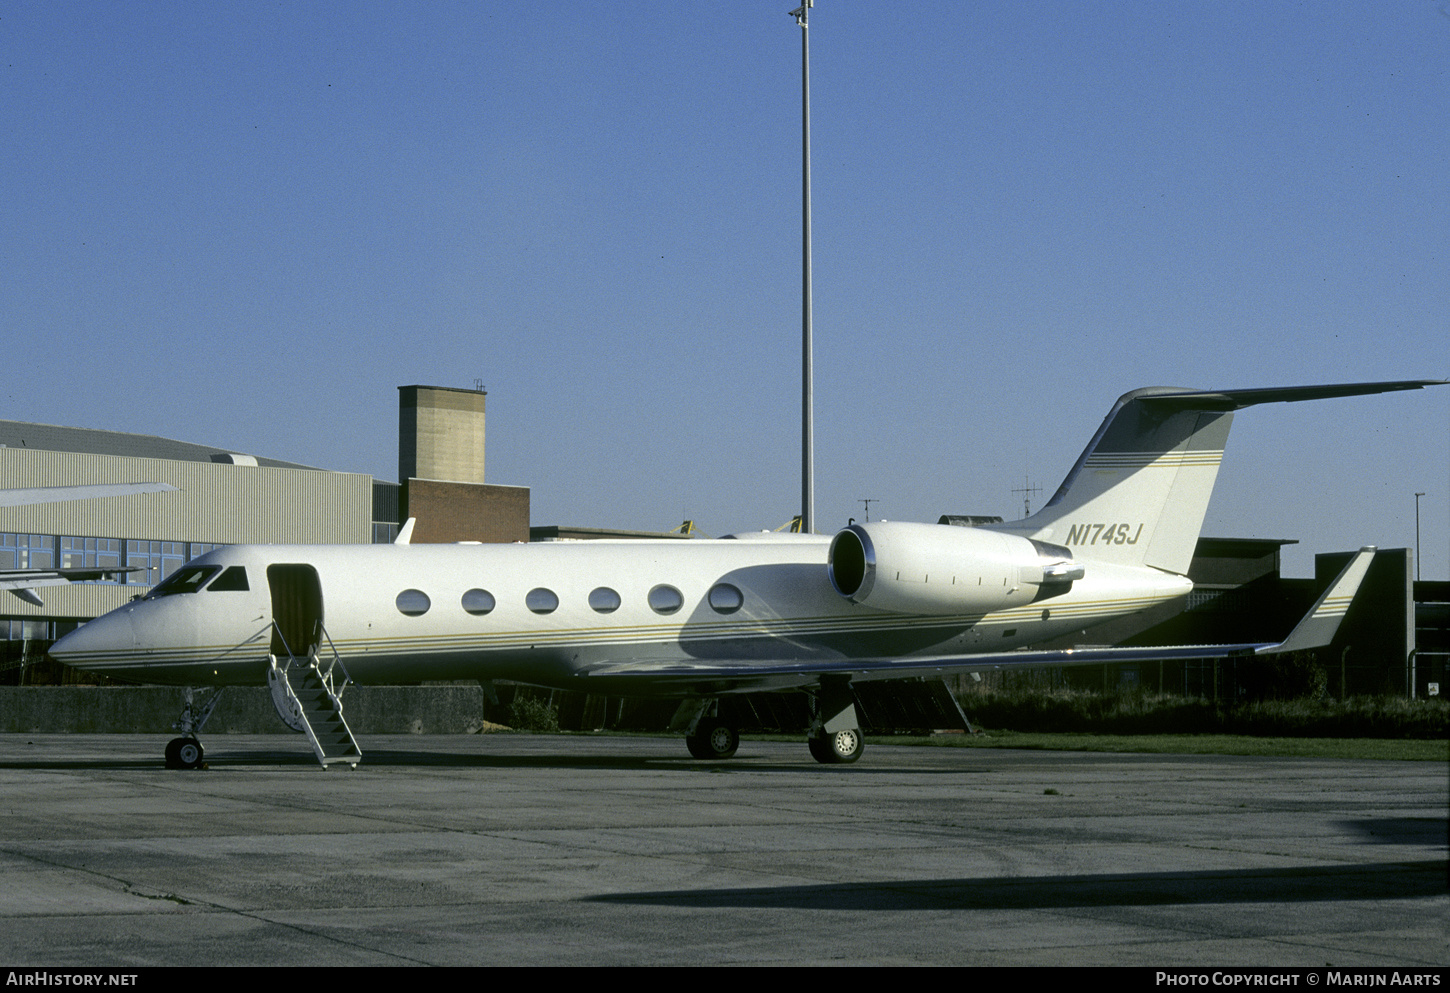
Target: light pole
x=808, y=472
x=1417, y=536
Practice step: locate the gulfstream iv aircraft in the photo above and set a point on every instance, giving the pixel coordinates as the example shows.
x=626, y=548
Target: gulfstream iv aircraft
x=698, y=619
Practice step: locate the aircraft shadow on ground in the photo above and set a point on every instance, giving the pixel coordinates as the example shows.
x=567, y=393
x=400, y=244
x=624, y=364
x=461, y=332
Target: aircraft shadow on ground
x=572, y=760
x=1390, y=881
x=1429, y=831
x=223, y=759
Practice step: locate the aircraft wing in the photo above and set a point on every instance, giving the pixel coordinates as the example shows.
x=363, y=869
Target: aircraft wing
x=60, y=494
x=21, y=582
x=718, y=676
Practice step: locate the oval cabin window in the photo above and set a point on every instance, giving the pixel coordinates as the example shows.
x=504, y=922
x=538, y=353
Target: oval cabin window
x=542, y=601
x=604, y=600
x=666, y=599
x=478, y=602
x=726, y=599
x=413, y=602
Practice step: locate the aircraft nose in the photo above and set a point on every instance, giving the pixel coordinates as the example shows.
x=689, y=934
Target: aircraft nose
x=97, y=642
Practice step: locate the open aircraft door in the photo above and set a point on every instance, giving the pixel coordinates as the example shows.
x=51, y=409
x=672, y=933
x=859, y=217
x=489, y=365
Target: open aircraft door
x=296, y=609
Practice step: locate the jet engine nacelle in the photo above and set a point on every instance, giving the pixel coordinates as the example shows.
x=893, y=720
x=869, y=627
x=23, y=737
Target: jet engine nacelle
x=943, y=569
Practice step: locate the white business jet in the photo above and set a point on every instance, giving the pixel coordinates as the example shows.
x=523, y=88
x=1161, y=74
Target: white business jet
x=701, y=618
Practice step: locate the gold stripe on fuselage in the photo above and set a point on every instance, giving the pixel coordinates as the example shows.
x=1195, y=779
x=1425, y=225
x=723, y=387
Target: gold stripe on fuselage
x=649, y=638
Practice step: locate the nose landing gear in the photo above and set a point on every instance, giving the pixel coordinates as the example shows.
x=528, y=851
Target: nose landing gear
x=186, y=752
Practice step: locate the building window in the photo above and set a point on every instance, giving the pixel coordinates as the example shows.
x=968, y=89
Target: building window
x=90, y=553
x=153, y=560
x=27, y=551
x=156, y=559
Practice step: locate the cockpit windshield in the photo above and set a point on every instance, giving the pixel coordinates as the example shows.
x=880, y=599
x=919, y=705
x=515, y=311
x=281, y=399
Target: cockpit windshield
x=187, y=579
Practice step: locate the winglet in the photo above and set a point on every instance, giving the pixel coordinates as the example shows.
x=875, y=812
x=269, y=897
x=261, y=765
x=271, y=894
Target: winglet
x=405, y=535
x=1318, y=627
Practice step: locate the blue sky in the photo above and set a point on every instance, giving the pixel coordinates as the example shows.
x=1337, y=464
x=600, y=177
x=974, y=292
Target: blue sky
x=247, y=224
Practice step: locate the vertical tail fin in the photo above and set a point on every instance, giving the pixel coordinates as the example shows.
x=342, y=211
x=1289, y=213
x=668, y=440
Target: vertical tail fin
x=1139, y=492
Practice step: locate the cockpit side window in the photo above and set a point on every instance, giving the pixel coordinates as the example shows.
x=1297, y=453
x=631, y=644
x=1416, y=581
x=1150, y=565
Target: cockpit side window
x=187, y=579
x=233, y=580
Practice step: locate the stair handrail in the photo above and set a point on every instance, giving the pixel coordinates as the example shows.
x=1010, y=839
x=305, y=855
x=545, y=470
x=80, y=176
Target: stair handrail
x=244, y=643
x=335, y=662
x=324, y=669
x=280, y=637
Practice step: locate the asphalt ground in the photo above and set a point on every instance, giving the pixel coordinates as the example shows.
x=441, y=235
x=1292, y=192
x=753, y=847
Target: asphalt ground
x=572, y=850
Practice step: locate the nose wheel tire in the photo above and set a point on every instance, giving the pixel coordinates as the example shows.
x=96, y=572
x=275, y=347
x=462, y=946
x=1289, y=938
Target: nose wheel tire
x=837, y=748
x=713, y=740
x=184, y=753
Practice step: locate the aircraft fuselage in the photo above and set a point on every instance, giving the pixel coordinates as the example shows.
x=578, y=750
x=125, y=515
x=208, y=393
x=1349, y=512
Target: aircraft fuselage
x=542, y=613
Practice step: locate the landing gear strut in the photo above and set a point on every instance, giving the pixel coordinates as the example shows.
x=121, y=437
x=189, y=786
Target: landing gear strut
x=186, y=752
x=706, y=735
x=835, y=735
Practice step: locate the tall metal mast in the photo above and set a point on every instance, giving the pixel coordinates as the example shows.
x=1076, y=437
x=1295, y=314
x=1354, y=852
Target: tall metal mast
x=1417, y=534
x=808, y=472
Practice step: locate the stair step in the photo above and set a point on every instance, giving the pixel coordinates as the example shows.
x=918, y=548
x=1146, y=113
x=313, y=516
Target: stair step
x=321, y=712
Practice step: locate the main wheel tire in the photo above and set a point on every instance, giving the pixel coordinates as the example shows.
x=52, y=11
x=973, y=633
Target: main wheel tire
x=184, y=753
x=838, y=748
x=713, y=740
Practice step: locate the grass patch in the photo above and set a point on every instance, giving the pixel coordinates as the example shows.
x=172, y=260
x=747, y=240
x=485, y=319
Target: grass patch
x=527, y=713
x=1150, y=714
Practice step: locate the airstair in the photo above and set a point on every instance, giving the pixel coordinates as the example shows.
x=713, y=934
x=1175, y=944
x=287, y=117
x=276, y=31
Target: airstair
x=309, y=699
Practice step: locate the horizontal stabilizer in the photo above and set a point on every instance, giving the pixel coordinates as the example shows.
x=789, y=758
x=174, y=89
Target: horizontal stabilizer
x=1239, y=399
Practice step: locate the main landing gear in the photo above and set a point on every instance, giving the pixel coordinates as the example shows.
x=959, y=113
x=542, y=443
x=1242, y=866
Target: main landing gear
x=836, y=748
x=834, y=738
x=713, y=739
